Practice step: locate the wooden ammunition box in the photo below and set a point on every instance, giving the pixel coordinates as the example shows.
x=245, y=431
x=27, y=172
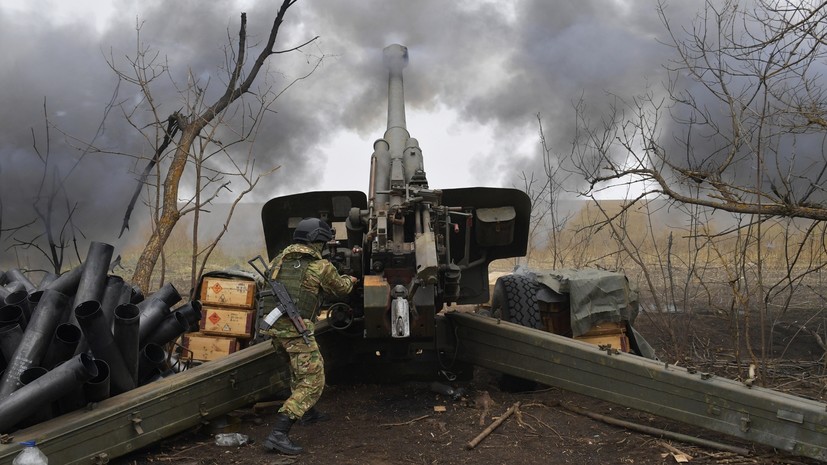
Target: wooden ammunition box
x=226, y=292
x=613, y=334
x=206, y=347
x=223, y=321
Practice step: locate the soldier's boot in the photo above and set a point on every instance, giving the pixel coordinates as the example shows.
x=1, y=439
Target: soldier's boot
x=312, y=416
x=278, y=440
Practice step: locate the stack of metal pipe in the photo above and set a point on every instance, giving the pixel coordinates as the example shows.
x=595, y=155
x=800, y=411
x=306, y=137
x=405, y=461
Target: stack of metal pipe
x=81, y=337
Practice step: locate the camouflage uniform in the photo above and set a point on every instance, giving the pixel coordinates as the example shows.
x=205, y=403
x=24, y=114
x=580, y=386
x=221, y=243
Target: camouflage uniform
x=306, y=363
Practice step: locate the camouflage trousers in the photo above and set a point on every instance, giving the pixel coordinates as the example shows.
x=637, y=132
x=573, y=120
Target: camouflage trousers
x=306, y=367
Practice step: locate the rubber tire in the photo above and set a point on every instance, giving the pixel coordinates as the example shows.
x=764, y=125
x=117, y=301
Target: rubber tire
x=515, y=301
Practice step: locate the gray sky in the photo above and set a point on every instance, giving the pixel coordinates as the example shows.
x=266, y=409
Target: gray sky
x=479, y=73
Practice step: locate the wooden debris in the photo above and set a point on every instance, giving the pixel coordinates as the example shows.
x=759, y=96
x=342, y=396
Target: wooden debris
x=659, y=432
x=474, y=442
x=406, y=422
x=677, y=454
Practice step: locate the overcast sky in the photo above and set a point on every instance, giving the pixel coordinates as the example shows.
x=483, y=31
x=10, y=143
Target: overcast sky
x=479, y=73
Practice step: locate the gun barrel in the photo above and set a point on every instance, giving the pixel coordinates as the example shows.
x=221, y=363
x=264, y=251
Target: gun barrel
x=397, y=165
x=396, y=58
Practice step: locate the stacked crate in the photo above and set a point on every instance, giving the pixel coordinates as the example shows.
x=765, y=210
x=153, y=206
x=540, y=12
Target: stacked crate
x=609, y=333
x=228, y=317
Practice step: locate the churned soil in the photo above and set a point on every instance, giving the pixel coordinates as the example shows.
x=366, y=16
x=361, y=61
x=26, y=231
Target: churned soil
x=411, y=423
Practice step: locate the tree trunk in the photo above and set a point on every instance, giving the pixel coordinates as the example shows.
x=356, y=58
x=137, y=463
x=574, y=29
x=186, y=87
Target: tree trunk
x=169, y=210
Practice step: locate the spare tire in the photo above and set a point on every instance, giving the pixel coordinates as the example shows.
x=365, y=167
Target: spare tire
x=515, y=301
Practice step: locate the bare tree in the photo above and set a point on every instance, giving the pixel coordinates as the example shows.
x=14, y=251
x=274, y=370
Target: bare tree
x=51, y=231
x=758, y=68
x=739, y=131
x=196, y=134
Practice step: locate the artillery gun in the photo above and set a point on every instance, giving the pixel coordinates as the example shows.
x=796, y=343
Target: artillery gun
x=414, y=249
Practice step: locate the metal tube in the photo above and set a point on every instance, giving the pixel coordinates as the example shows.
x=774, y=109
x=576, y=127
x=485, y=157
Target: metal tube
x=16, y=275
x=93, y=280
x=45, y=390
x=67, y=283
x=113, y=295
x=45, y=411
x=396, y=58
x=10, y=337
x=64, y=343
x=136, y=295
x=98, y=388
x=21, y=299
x=127, y=337
x=381, y=172
x=102, y=343
x=13, y=286
x=174, y=325
x=35, y=341
x=11, y=315
x=72, y=400
x=192, y=312
x=32, y=300
x=151, y=360
x=167, y=293
x=47, y=279
x=153, y=311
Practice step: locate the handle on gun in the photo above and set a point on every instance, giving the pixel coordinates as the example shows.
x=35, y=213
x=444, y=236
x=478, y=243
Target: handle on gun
x=266, y=271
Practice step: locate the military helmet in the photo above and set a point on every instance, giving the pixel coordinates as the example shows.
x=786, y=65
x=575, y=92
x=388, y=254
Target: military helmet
x=312, y=230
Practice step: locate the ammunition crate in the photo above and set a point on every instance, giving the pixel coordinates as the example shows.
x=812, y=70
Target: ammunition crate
x=228, y=292
x=206, y=347
x=224, y=321
x=613, y=334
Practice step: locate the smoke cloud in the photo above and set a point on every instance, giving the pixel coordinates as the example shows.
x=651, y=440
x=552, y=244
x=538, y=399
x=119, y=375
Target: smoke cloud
x=496, y=65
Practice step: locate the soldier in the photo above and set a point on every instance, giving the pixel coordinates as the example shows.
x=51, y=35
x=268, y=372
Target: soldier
x=305, y=274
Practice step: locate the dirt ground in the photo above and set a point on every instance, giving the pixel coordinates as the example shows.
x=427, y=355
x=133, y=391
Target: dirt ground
x=410, y=423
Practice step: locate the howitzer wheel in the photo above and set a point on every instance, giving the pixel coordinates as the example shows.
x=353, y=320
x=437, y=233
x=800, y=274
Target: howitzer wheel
x=515, y=301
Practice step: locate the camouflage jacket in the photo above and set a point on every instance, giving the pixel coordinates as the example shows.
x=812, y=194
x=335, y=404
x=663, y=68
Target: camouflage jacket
x=321, y=275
